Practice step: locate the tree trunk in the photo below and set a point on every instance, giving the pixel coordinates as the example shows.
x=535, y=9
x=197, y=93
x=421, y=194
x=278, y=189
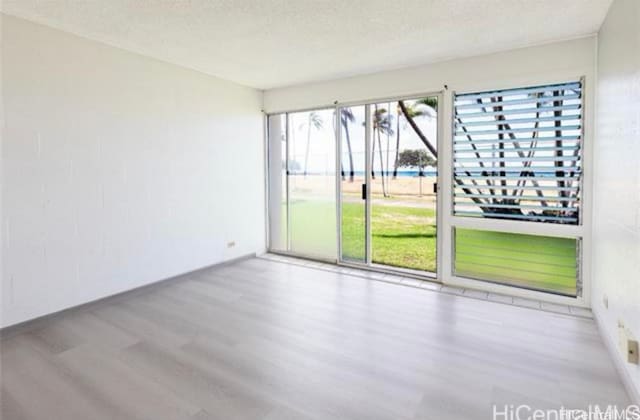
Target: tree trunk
x=373, y=155
x=395, y=164
x=477, y=153
x=306, y=152
x=387, y=161
x=348, y=139
x=503, y=173
x=530, y=154
x=384, y=191
x=419, y=132
x=559, y=163
x=516, y=144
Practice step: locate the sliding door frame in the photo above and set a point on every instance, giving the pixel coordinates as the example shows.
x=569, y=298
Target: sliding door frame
x=287, y=251
x=367, y=176
x=368, y=264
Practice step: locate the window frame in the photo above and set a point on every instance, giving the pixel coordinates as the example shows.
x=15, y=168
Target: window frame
x=580, y=231
x=267, y=193
x=580, y=155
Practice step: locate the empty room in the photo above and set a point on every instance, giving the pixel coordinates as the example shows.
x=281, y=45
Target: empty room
x=320, y=209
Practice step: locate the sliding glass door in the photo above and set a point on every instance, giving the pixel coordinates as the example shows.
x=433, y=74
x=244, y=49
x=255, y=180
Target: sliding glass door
x=312, y=185
x=388, y=158
x=278, y=183
x=353, y=174
x=403, y=179
x=302, y=186
x=373, y=205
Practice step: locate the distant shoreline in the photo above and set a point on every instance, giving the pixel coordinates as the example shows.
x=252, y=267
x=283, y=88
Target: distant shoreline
x=406, y=174
x=434, y=173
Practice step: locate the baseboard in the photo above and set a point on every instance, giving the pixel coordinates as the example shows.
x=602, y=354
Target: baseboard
x=40, y=321
x=610, y=343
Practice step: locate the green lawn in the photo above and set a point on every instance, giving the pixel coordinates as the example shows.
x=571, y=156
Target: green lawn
x=531, y=261
x=400, y=236
x=406, y=237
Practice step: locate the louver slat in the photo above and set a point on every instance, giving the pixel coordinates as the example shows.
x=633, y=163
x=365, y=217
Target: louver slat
x=515, y=159
x=518, y=111
x=510, y=102
x=520, y=120
x=467, y=132
x=543, y=171
x=509, y=141
x=527, y=150
x=469, y=140
x=511, y=92
x=519, y=188
x=522, y=197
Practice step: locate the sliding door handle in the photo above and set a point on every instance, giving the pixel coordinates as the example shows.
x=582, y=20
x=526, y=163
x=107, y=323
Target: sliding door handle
x=435, y=188
x=364, y=191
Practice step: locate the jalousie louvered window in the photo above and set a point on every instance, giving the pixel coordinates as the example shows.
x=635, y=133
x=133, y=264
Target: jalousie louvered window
x=518, y=153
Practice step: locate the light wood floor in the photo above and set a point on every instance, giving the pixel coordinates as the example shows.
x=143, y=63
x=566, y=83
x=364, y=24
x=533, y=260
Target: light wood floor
x=265, y=340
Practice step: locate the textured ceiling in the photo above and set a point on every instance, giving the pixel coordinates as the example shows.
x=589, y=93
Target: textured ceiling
x=272, y=43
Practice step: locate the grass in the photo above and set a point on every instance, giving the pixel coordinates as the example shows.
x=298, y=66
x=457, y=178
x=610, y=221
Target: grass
x=400, y=236
x=531, y=261
x=406, y=237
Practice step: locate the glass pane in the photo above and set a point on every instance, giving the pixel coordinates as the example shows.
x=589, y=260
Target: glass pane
x=404, y=171
x=530, y=261
x=352, y=160
x=277, y=152
x=312, y=183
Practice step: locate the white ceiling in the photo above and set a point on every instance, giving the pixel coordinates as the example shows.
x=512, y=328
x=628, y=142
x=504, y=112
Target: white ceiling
x=273, y=43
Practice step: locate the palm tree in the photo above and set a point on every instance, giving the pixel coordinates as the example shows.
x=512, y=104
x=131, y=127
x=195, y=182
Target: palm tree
x=381, y=125
x=314, y=120
x=413, y=111
x=347, y=117
x=431, y=103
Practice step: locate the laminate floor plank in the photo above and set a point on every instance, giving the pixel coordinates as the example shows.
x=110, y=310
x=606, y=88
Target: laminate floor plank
x=44, y=388
x=172, y=369
x=138, y=396
x=266, y=340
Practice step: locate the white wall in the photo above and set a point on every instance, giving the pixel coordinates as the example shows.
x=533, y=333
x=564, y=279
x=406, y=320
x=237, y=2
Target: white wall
x=549, y=62
x=616, y=227
x=118, y=170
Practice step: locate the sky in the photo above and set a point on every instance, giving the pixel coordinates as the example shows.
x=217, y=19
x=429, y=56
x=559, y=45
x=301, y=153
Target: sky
x=321, y=139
